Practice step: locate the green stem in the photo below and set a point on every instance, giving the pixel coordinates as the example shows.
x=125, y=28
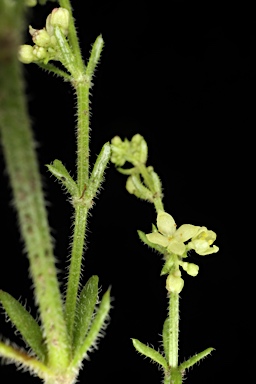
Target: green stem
x=23, y=169
x=81, y=210
x=75, y=265
x=173, y=329
x=83, y=112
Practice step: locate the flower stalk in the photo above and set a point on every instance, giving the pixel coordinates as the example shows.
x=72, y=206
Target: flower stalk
x=171, y=242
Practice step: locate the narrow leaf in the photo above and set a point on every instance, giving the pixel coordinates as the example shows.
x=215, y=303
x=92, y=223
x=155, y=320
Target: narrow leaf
x=168, y=265
x=194, y=359
x=165, y=336
x=97, y=174
x=20, y=358
x=66, y=55
x=25, y=324
x=95, y=331
x=62, y=174
x=144, y=239
x=95, y=56
x=85, y=309
x=150, y=352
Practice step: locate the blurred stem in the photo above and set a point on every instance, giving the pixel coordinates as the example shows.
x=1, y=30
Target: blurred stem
x=21, y=161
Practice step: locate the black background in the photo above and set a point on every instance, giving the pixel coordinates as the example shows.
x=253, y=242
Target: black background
x=182, y=74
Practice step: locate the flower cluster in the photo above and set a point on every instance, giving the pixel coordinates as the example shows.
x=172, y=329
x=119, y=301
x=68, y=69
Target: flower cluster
x=45, y=46
x=133, y=151
x=176, y=242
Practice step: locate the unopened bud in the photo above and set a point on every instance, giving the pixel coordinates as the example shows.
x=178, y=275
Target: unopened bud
x=58, y=18
x=40, y=37
x=25, y=54
x=174, y=284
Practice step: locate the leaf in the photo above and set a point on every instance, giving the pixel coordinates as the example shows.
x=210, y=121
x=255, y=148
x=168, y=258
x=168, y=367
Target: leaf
x=95, y=331
x=66, y=56
x=194, y=359
x=94, y=56
x=150, y=352
x=21, y=359
x=25, y=324
x=62, y=174
x=99, y=168
x=157, y=247
x=165, y=336
x=85, y=309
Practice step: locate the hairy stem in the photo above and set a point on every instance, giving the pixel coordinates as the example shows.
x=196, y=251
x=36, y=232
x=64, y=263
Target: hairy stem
x=75, y=265
x=173, y=329
x=21, y=161
x=82, y=91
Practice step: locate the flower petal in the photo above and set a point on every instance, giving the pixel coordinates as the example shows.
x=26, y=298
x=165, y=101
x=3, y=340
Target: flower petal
x=176, y=247
x=157, y=238
x=165, y=223
x=186, y=232
x=209, y=251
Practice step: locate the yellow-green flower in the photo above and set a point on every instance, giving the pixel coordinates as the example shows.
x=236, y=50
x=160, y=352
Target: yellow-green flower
x=170, y=237
x=202, y=242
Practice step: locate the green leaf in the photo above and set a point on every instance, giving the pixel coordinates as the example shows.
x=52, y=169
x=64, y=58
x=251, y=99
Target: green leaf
x=85, y=308
x=66, y=55
x=95, y=56
x=150, y=352
x=98, y=324
x=97, y=174
x=168, y=265
x=165, y=336
x=194, y=359
x=62, y=174
x=157, y=247
x=25, y=324
x=23, y=360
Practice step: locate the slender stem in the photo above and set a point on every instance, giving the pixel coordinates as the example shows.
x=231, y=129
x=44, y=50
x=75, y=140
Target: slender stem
x=83, y=113
x=82, y=92
x=173, y=329
x=20, y=156
x=75, y=265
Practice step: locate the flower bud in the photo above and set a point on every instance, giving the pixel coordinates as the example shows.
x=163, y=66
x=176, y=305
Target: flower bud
x=58, y=18
x=139, y=148
x=191, y=268
x=40, y=37
x=174, y=284
x=40, y=53
x=25, y=54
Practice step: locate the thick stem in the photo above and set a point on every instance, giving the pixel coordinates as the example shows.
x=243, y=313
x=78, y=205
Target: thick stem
x=21, y=161
x=173, y=329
